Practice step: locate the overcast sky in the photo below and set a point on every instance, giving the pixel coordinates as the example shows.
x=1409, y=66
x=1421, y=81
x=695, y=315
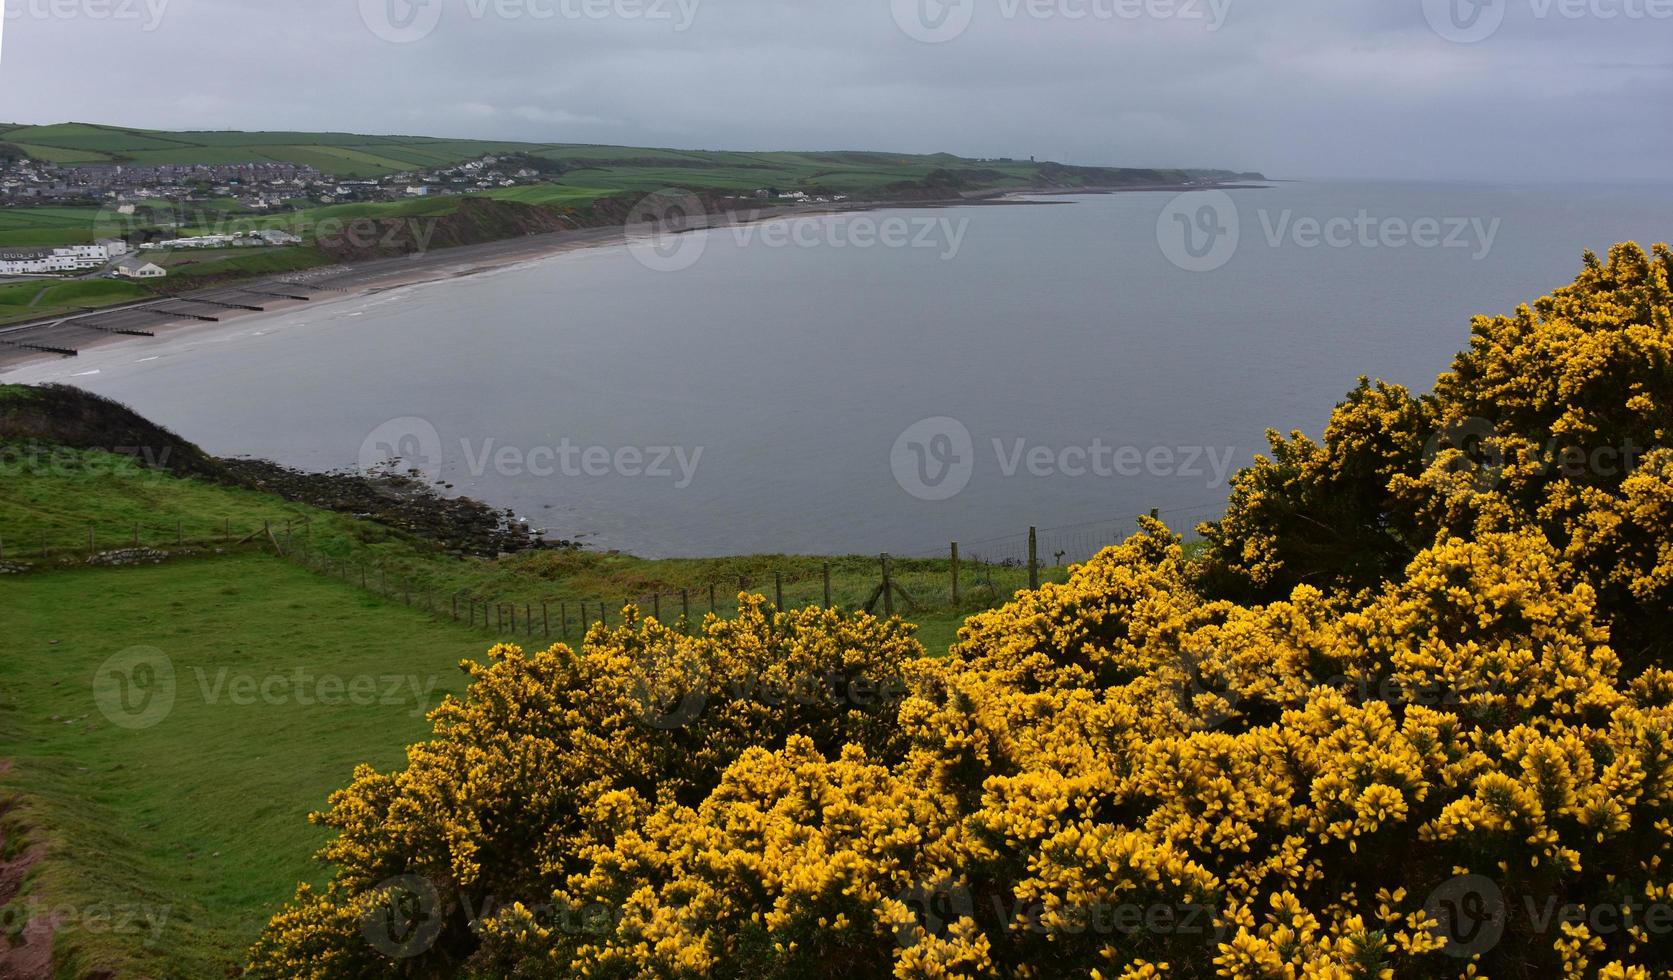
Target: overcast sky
x=1526, y=89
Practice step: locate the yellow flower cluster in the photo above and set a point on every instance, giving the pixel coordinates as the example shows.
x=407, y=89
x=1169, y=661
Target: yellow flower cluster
x=1557, y=418
x=1382, y=730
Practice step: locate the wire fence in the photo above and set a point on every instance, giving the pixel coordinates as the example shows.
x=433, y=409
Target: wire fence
x=961, y=579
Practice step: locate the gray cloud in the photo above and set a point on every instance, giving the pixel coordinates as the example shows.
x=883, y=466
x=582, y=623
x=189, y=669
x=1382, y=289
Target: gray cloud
x=1292, y=87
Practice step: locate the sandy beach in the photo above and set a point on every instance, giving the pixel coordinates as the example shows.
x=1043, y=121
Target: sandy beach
x=202, y=312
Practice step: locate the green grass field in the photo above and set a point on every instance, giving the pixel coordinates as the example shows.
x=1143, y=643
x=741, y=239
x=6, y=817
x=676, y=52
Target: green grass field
x=49, y=503
x=193, y=828
x=43, y=297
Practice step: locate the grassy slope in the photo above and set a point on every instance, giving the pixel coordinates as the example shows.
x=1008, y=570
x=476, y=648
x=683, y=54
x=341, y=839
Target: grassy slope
x=59, y=497
x=202, y=816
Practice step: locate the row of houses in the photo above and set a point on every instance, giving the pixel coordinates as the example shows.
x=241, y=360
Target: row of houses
x=61, y=259
x=266, y=236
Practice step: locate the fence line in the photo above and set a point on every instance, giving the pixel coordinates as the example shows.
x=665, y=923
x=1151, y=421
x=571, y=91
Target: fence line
x=962, y=577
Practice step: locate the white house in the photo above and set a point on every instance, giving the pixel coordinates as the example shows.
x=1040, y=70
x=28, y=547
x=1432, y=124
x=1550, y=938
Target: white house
x=275, y=236
x=65, y=258
x=201, y=241
x=140, y=269
x=114, y=247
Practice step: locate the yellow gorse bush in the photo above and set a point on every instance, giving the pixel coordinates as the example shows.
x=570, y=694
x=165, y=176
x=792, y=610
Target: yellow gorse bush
x=1384, y=728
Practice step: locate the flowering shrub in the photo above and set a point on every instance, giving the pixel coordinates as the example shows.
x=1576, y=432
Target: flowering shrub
x=1556, y=418
x=1425, y=757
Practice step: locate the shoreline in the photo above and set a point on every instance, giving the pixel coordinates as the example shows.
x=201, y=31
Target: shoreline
x=151, y=322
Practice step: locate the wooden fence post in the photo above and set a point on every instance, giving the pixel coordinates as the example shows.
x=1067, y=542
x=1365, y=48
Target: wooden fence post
x=545, y=620
x=711, y=596
x=955, y=573
x=1033, y=559
x=656, y=607
x=563, y=618
x=778, y=590
x=685, y=606
x=888, y=589
x=827, y=585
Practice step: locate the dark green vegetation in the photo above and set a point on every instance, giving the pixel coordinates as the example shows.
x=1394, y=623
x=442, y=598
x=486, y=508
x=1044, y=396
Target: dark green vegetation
x=198, y=820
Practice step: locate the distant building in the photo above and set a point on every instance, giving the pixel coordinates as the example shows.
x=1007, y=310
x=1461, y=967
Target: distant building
x=55, y=261
x=136, y=268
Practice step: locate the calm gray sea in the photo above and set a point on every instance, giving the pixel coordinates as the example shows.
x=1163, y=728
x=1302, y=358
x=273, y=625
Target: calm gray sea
x=890, y=381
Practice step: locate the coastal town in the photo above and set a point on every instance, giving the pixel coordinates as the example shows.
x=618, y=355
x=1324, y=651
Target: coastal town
x=150, y=209
x=255, y=186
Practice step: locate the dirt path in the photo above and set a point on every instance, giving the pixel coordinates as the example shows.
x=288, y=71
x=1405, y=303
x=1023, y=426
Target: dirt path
x=31, y=959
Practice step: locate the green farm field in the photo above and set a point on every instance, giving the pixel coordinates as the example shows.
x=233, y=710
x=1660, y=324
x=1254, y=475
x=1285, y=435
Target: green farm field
x=192, y=828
